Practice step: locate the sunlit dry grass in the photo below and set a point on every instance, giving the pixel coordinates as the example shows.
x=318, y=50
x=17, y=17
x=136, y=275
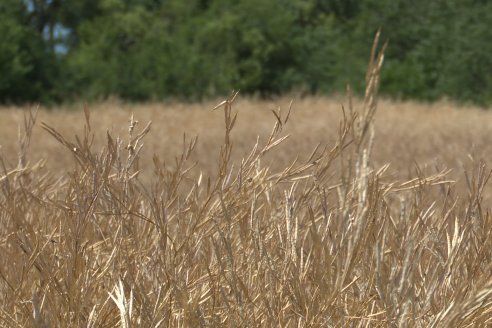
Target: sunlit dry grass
x=407, y=133
x=368, y=229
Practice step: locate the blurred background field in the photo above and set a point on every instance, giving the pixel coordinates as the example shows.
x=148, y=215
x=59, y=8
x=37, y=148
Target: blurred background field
x=410, y=136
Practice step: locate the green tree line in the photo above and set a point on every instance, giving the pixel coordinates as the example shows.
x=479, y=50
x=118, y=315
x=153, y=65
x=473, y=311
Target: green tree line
x=63, y=50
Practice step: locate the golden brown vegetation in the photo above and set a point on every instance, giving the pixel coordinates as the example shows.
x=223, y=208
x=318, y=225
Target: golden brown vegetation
x=245, y=238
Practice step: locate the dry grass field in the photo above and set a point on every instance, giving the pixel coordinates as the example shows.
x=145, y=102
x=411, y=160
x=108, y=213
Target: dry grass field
x=407, y=134
x=377, y=215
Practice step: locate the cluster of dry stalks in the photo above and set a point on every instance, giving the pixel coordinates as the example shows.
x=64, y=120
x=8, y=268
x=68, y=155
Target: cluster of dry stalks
x=330, y=242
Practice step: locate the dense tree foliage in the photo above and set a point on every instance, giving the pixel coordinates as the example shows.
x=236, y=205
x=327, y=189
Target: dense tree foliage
x=61, y=50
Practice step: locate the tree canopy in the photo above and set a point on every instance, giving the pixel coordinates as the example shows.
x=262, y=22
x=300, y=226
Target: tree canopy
x=63, y=50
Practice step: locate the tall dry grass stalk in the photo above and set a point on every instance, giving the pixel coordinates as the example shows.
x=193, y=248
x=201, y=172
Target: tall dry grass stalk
x=329, y=242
